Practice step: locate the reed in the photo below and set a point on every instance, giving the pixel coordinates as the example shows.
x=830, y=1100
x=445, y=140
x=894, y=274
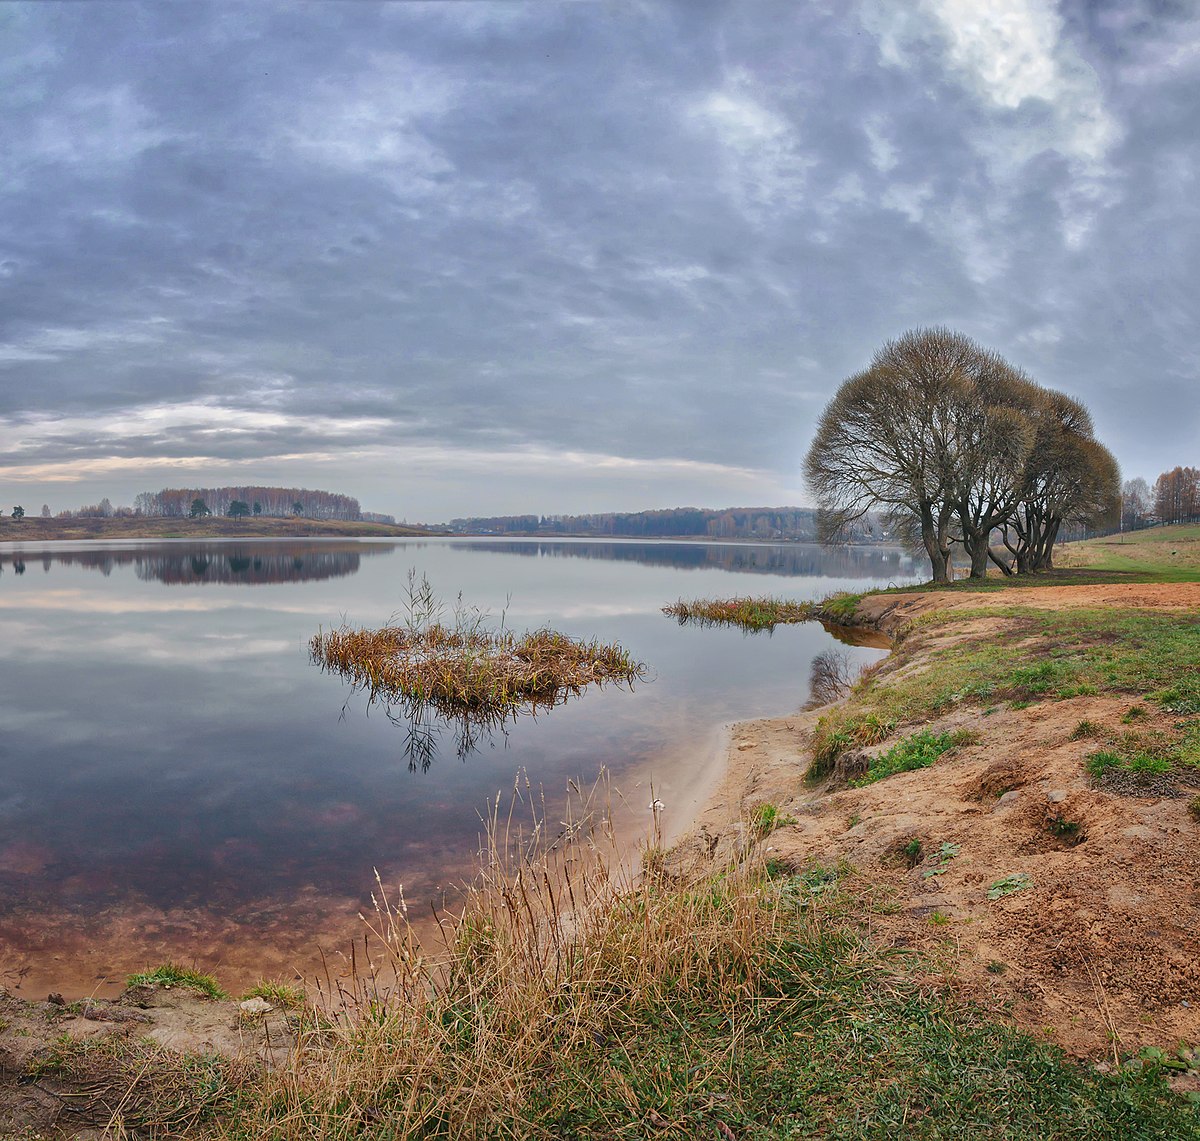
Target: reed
x=466, y=665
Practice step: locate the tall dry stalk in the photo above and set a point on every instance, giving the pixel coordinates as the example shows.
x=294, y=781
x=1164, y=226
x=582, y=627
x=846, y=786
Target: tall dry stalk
x=556, y=946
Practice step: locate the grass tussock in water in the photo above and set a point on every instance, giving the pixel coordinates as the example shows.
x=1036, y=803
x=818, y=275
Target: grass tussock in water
x=755, y=614
x=465, y=665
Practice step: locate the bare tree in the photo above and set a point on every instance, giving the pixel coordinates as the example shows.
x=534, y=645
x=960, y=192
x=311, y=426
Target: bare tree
x=952, y=444
x=923, y=436
x=1137, y=502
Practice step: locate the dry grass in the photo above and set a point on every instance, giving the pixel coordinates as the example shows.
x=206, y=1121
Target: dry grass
x=477, y=670
x=575, y=996
x=557, y=947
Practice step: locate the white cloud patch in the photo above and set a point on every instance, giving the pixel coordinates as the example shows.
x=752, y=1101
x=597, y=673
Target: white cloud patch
x=765, y=167
x=374, y=125
x=1015, y=58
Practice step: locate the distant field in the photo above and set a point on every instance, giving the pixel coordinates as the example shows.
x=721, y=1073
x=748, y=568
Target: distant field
x=214, y=527
x=1163, y=554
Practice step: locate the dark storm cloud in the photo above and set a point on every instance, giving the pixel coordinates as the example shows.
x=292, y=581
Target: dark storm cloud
x=430, y=234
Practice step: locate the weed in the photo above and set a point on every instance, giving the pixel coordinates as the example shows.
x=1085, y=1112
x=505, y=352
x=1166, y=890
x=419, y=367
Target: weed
x=1194, y=808
x=840, y=730
x=172, y=974
x=913, y=851
x=916, y=752
x=1135, y=713
x=995, y=967
x=939, y=918
x=854, y=819
x=1085, y=729
x=1062, y=828
x=766, y=818
x=1009, y=885
x=946, y=853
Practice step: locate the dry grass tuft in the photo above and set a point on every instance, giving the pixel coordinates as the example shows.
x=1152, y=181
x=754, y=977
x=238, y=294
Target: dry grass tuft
x=466, y=666
x=558, y=946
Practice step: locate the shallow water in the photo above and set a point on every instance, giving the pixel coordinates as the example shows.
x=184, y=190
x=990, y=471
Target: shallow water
x=180, y=781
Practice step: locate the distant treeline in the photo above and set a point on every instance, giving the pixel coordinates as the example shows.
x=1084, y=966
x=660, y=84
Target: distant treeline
x=177, y=502
x=796, y=523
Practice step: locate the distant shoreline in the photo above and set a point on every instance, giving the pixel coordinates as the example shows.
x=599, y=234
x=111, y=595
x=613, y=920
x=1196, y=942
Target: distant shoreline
x=38, y=529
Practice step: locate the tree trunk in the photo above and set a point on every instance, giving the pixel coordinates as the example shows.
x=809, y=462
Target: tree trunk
x=1005, y=567
x=933, y=545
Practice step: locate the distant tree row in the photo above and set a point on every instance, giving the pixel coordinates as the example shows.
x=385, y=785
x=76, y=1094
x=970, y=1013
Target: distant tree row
x=679, y=522
x=1174, y=498
x=958, y=448
x=278, y=502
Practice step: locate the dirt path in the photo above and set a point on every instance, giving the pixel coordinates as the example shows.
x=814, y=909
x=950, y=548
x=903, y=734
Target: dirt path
x=1101, y=952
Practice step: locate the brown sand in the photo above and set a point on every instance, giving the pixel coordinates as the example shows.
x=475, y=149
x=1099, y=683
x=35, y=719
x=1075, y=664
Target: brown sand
x=1102, y=952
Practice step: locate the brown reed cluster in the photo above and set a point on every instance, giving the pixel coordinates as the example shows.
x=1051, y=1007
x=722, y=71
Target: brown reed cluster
x=469, y=667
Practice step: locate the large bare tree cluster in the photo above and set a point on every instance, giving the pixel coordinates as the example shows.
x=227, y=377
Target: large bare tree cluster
x=957, y=447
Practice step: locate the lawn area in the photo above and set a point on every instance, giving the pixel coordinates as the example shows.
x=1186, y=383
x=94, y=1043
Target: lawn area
x=1157, y=554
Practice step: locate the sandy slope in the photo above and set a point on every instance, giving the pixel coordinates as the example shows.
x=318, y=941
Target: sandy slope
x=1103, y=951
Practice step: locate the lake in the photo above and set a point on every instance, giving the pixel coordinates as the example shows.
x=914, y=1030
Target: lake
x=179, y=781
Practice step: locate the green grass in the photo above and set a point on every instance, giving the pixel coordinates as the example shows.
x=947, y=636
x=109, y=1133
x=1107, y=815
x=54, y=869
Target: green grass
x=1151, y=657
x=841, y=607
x=917, y=751
x=766, y=818
x=172, y=974
x=289, y=996
x=832, y=1044
x=1105, y=761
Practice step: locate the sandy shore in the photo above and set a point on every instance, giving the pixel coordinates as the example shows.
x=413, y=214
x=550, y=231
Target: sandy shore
x=1102, y=954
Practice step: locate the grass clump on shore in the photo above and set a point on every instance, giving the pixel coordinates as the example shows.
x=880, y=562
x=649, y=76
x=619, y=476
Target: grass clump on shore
x=466, y=666
x=173, y=974
x=917, y=751
x=752, y=614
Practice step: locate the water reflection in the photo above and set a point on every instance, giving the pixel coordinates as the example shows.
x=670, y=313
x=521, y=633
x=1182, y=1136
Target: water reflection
x=237, y=564
x=177, y=781
x=786, y=559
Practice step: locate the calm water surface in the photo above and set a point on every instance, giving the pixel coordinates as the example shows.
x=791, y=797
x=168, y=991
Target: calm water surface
x=178, y=780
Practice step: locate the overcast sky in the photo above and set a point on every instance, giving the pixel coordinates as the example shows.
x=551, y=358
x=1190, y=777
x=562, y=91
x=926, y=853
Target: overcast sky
x=494, y=257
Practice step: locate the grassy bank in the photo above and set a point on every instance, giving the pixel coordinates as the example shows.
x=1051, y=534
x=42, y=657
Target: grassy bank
x=751, y=1003
x=999, y=655
x=1157, y=554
